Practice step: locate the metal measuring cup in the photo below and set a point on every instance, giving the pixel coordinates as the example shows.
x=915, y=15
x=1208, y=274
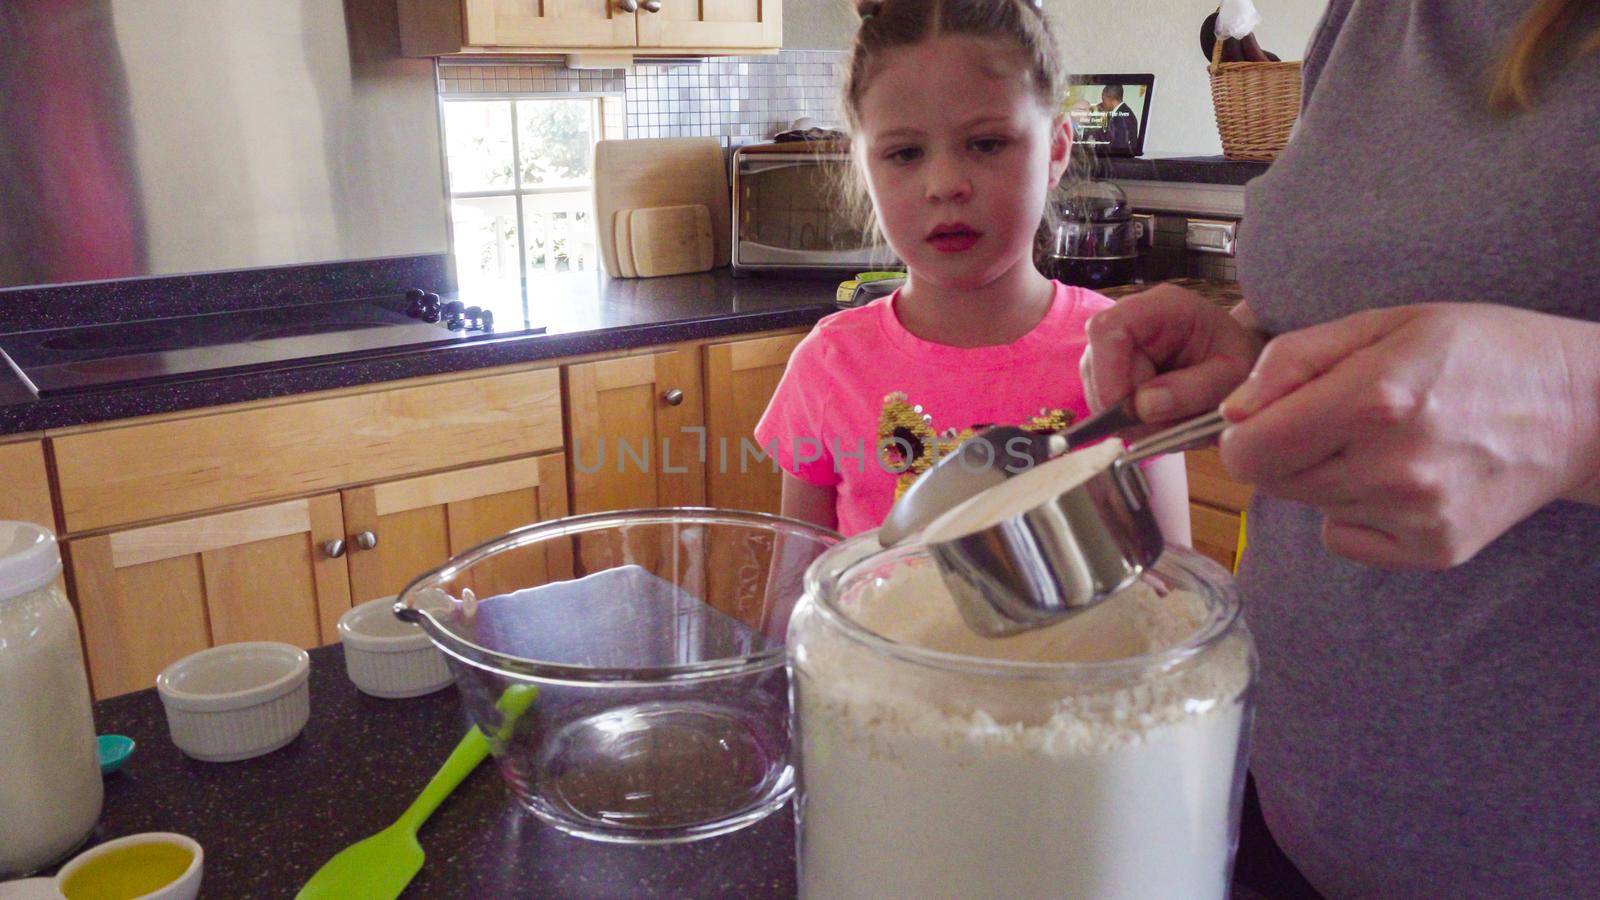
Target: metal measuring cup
x=1070, y=551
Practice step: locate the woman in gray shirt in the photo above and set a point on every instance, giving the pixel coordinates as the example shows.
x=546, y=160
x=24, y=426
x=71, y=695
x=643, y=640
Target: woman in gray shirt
x=1422, y=422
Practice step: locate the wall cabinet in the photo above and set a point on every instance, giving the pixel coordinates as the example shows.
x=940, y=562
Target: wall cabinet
x=712, y=24
x=448, y=27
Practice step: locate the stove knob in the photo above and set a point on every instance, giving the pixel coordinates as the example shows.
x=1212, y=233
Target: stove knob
x=430, y=314
x=455, y=323
x=415, y=295
x=474, y=313
x=430, y=300
x=488, y=321
x=453, y=308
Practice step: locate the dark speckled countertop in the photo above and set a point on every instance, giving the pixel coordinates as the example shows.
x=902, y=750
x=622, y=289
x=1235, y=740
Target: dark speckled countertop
x=1190, y=169
x=619, y=314
x=268, y=823
x=1223, y=293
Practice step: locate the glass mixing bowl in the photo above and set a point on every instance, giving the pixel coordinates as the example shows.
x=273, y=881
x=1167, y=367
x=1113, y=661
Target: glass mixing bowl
x=655, y=639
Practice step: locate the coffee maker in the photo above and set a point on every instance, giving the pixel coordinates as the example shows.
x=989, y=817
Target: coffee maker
x=1096, y=238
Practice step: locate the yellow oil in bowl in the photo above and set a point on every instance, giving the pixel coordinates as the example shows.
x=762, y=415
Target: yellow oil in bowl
x=128, y=872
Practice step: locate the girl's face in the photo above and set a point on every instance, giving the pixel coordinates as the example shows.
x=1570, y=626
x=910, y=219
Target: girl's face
x=959, y=155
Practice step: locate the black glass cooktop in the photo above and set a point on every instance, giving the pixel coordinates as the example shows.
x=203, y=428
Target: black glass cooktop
x=66, y=360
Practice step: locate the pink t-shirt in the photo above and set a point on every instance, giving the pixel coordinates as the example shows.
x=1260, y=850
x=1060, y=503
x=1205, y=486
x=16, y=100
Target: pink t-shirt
x=865, y=406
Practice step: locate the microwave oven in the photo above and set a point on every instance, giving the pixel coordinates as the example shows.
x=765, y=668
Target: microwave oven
x=788, y=215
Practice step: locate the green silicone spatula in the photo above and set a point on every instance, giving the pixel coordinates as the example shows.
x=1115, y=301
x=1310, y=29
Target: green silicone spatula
x=382, y=865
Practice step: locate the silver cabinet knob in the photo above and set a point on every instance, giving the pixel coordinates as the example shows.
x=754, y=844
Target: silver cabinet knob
x=334, y=548
x=651, y=5
x=628, y=5
x=366, y=540
x=673, y=397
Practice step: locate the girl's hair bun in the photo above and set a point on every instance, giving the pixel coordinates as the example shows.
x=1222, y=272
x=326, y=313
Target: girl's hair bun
x=866, y=9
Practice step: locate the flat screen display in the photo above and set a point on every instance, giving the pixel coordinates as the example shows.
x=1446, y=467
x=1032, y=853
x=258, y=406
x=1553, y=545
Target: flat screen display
x=1109, y=113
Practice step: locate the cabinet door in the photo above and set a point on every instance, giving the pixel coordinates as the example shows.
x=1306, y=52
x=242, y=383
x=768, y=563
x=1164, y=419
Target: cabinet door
x=1215, y=532
x=740, y=379
x=25, y=485
x=637, y=432
x=148, y=596
x=548, y=23
x=1209, y=482
x=418, y=523
x=711, y=24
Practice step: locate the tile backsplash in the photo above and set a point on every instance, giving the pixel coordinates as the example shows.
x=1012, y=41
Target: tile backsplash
x=741, y=100
x=736, y=99
x=1169, y=258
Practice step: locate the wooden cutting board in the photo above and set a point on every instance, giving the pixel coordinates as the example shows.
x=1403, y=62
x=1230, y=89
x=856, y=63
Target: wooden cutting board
x=622, y=241
x=669, y=240
x=645, y=173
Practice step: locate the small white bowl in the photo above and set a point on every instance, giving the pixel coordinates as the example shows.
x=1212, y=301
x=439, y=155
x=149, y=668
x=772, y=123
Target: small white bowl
x=387, y=657
x=185, y=887
x=236, y=701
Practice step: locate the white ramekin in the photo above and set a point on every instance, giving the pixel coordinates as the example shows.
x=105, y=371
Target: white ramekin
x=236, y=701
x=184, y=887
x=387, y=657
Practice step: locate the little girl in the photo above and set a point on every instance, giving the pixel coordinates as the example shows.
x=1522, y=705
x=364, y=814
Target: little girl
x=951, y=107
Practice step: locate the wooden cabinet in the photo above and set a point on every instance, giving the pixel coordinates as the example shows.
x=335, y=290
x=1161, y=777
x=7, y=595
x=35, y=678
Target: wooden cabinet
x=186, y=464
x=418, y=523
x=448, y=27
x=741, y=377
x=25, y=484
x=712, y=24
x=1216, y=503
x=147, y=596
x=268, y=521
x=636, y=432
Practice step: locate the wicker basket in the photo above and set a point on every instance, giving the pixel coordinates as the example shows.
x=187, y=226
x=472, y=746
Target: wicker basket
x=1256, y=104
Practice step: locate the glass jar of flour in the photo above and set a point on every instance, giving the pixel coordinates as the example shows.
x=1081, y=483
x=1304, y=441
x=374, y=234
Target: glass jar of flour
x=50, y=788
x=1102, y=757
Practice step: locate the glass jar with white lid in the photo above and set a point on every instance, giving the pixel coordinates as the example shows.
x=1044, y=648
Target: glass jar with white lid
x=50, y=783
x=1102, y=757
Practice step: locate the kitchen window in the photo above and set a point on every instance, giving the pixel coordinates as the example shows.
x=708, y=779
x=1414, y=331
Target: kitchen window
x=522, y=190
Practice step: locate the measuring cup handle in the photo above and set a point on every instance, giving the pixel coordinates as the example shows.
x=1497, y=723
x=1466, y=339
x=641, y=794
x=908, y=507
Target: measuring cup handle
x=1183, y=436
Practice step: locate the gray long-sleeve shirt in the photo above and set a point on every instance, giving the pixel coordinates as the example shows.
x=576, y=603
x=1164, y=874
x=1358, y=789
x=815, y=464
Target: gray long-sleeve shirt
x=1429, y=734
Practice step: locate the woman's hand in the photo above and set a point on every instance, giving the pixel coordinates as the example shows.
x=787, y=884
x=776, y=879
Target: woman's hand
x=1422, y=432
x=1181, y=351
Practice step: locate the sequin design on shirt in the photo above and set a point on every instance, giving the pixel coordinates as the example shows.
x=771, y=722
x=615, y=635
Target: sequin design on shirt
x=908, y=444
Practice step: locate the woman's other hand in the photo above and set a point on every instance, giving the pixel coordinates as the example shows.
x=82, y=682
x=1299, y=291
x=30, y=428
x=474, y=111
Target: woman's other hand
x=1181, y=352
x=1422, y=432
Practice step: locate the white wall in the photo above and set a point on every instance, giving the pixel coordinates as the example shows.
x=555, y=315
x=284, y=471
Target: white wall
x=1163, y=37
x=818, y=24
x=1158, y=36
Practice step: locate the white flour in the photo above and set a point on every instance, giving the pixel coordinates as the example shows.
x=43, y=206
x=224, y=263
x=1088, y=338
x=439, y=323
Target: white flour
x=924, y=783
x=1023, y=491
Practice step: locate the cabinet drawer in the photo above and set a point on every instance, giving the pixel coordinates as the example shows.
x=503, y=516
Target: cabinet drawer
x=168, y=468
x=1209, y=482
